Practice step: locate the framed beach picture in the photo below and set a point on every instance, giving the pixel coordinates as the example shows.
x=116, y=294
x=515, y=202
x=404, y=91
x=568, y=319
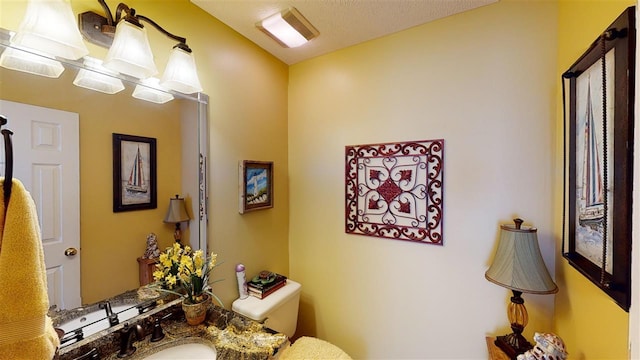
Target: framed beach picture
x=599, y=160
x=134, y=173
x=256, y=185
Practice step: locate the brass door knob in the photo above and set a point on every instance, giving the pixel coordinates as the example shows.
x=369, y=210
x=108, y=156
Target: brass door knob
x=71, y=251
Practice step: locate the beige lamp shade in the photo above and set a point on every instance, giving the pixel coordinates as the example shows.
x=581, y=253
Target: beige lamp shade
x=177, y=211
x=518, y=263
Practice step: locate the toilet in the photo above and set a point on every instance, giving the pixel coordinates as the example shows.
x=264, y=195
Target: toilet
x=278, y=311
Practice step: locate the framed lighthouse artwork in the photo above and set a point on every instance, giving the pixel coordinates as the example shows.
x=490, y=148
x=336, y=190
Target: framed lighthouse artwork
x=134, y=173
x=256, y=185
x=599, y=160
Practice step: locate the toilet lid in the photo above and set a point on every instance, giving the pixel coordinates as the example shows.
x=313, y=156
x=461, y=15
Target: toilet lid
x=258, y=309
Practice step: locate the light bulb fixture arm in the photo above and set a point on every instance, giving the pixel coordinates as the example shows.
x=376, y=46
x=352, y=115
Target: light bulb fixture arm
x=102, y=33
x=180, y=39
x=130, y=15
x=106, y=9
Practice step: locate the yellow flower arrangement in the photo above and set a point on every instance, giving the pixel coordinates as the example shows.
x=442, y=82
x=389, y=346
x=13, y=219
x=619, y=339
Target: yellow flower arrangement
x=181, y=268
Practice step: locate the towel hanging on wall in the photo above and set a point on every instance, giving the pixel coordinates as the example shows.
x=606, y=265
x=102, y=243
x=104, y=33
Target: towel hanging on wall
x=26, y=332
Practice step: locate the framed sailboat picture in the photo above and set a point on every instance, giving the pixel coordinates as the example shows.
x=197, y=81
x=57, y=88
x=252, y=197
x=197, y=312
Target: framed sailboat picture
x=599, y=160
x=134, y=173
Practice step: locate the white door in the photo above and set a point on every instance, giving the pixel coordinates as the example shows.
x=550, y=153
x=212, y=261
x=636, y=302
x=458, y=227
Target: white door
x=46, y=161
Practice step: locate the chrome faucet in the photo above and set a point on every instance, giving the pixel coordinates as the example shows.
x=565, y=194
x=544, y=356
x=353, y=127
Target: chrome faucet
x=113, y=318
x=126, y=339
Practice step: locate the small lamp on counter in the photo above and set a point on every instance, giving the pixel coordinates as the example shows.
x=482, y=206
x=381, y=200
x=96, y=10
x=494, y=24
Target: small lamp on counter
x=177, y=213
x=518, y=266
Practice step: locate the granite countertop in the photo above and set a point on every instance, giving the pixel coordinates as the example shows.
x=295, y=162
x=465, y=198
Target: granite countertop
x=131, y=297
x=233, y=336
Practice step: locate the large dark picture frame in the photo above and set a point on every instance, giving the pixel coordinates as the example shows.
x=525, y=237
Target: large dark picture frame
x=134, y=173
x=600, y=160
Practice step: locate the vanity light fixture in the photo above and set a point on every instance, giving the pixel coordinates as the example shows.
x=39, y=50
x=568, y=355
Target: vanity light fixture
x=47, y=30
x=151, y=90
x=129, y=50
x=49, y=26
x=180, y=73
x=14, y=58
x=177, y=213
x=518, y=266
x=99, y=79
x=288, y=28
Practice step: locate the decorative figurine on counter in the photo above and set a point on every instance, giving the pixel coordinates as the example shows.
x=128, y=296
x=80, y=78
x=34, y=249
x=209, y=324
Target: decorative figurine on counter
x=152, y=251
x=548, y=347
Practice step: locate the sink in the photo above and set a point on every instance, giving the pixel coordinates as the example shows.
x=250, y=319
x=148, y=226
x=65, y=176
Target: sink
x=97, y=321
x=185, y=351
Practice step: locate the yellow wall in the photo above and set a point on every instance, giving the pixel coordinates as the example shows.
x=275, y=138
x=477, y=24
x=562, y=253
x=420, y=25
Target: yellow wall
x=247, y=121
x=484, y=81
x=590, y=323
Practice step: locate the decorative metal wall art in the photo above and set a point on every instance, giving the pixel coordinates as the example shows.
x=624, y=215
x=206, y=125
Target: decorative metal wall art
x=600, y=160
x=394, y=190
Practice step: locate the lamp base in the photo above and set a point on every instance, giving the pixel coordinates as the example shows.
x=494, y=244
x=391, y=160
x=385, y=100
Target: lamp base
x=513, y=344
x=177, y=234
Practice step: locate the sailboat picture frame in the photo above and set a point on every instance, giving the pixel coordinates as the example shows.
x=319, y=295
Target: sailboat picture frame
x=599, y=160
x=134, y=173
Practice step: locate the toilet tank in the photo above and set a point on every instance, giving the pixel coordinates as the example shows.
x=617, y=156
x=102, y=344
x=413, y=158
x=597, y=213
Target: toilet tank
x=278, y=311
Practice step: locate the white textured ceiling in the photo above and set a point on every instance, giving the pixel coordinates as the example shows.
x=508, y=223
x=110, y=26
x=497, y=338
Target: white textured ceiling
x=341, y=23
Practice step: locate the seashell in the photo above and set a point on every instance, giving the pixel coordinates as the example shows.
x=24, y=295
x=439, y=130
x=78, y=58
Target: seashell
x=548, y=347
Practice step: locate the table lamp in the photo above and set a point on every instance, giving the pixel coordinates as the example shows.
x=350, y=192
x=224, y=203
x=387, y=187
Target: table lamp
x=177, y=213
x=518, y=265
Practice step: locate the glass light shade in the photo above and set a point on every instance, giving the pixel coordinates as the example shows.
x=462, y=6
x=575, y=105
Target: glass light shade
x=152, y=91
x=289, y=28
x=49, y=26
x=281, y=29
x=181, y=74
x=101, y=79
x=31, y=63
x=130, y=52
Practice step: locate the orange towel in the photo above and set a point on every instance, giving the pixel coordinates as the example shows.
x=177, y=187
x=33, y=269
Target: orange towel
x=26, y=332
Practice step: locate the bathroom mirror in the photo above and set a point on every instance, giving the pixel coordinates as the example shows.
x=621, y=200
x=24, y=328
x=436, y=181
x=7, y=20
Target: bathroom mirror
x=110, y=243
